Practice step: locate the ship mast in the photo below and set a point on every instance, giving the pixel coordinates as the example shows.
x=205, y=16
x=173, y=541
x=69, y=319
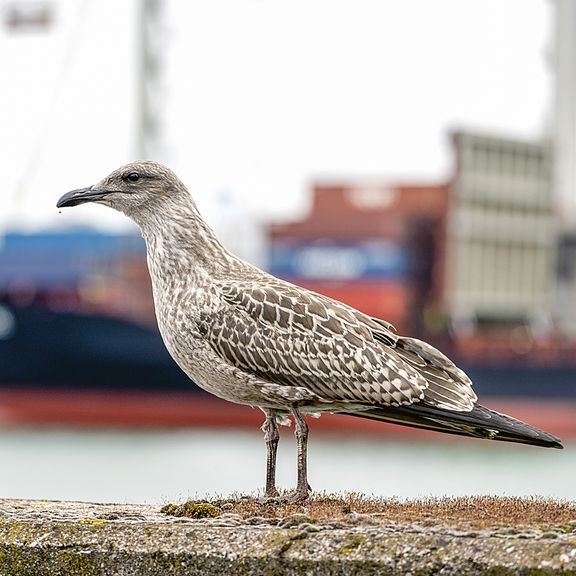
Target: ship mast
x=149, y=89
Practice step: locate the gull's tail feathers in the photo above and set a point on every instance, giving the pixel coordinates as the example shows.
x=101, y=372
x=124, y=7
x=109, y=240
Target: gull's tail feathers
x=480, y=422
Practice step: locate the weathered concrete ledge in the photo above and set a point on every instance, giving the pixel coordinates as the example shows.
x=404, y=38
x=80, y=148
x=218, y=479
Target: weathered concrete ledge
x=69, y=538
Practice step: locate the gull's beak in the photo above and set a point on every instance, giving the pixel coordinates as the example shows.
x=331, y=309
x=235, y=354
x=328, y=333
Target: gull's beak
x=80, y=196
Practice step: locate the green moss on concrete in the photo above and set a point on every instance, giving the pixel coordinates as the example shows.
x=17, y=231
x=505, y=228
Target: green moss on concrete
x=169, y=509
x=191, y=509
x=93, y=540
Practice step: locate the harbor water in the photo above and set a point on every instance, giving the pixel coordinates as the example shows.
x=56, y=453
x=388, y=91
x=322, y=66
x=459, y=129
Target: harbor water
x=155, y=466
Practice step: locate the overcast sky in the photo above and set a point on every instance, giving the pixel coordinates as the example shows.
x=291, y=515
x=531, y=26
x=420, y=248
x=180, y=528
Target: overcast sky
x=260, y=98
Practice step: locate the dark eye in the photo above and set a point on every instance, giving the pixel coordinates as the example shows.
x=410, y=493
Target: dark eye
x=133, y=177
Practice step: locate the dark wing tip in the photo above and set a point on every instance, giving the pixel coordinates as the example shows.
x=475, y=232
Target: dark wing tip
x=556, y=443
x=480, y=422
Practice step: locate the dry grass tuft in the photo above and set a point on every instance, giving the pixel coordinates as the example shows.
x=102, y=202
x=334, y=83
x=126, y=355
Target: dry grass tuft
x=473, y=511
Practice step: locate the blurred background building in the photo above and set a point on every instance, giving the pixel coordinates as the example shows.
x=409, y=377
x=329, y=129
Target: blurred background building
x=474, y=251
x=502, y=235
x=564, y=172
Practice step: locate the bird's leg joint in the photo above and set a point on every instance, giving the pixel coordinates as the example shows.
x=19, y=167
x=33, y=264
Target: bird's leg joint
x=270, y=429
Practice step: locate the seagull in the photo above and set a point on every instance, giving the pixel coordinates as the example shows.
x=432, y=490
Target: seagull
x=251, y=338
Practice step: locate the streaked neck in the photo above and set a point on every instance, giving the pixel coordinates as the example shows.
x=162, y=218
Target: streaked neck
x=178, y=239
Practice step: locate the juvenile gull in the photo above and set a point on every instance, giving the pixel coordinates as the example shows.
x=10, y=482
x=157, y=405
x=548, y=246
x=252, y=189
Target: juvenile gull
x=254, y=339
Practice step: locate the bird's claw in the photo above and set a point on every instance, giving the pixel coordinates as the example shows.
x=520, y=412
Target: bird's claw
x=296, y=496
x=290, y=498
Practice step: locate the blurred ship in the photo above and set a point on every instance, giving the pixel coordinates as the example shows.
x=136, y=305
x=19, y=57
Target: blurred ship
x=469, y=265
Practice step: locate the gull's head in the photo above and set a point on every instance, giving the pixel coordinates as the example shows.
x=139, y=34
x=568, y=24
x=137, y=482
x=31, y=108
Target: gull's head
x=135, y=189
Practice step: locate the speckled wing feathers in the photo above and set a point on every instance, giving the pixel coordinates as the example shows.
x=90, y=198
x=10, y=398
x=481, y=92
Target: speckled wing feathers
x=449, y=387
x=294, y=337
x=290, y=336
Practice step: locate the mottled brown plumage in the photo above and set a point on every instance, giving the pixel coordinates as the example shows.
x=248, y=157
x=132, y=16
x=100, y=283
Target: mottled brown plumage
x=254, y=339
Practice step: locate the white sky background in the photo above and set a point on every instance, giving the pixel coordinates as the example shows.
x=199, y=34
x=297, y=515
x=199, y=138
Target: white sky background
x=260, y=98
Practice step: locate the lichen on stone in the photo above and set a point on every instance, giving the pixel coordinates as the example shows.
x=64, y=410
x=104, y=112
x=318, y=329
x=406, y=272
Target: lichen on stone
x=191, y=509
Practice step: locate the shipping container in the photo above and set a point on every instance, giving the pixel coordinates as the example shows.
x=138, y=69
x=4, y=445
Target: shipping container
x=333, y=260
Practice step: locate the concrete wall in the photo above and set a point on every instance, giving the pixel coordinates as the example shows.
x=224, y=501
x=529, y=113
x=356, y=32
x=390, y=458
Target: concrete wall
x=67, y=538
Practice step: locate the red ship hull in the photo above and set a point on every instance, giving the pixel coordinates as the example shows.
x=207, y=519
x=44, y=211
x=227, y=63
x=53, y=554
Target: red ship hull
x=177, y=409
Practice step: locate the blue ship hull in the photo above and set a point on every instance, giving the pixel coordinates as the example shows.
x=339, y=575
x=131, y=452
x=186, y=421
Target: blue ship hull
x=45, y=349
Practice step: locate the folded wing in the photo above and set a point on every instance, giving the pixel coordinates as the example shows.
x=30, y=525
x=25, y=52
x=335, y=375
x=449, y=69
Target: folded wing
x=295, y=337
